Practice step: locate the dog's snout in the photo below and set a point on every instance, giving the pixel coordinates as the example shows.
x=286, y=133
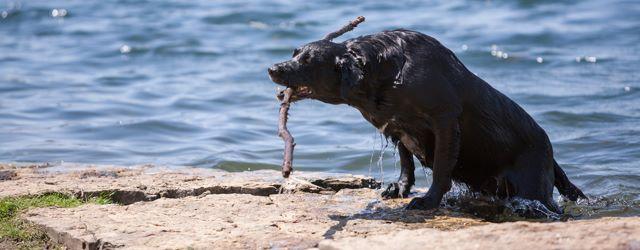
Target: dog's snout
x=282, y=73
x=276, y=73
x=273, y=69
x=276, y=69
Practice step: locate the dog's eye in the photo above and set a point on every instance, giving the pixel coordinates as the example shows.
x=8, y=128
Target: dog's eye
x=306, y=58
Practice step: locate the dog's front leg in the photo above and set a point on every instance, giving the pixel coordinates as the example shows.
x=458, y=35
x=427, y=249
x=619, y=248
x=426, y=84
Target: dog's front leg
x=447, y=141
x=407, y=177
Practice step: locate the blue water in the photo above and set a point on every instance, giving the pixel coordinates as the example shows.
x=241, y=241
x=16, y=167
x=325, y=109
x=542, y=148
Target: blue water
x=185, y=83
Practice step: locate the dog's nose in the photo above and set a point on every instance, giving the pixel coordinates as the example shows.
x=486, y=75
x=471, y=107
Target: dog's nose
x=273, y=70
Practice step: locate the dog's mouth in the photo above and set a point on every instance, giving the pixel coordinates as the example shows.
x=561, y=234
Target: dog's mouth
x=299, y=93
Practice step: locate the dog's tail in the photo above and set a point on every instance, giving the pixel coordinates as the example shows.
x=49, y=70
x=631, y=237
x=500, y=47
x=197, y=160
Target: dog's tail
x=564, y=186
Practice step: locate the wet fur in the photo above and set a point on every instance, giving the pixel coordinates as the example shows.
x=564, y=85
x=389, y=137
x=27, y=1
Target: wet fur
x=418, y=94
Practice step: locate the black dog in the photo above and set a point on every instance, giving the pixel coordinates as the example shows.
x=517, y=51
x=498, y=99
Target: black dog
x=418, y=94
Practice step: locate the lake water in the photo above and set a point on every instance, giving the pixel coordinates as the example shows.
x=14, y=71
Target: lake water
x=185, y=83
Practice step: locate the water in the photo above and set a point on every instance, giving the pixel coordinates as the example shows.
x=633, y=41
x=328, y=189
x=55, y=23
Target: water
x=185, y=83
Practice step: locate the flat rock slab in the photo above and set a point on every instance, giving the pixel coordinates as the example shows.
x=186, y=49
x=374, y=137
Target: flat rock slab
x=146, y=183
x=225, y=221
x=182, y=208
x=605, y=233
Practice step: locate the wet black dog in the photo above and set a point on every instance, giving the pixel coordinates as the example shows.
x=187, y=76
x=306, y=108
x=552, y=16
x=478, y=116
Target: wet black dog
x=418, y=94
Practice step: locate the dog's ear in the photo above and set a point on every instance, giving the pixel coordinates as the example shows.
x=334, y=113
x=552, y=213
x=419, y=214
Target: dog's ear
x=351, y=73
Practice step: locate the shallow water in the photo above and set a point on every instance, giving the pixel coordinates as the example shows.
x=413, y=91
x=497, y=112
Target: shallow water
x=185, y=83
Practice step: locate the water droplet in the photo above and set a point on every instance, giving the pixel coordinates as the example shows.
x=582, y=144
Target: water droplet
x=493, y=53
x=4, y=14
x=505, y=55
x=578, y=58
x=465, y=47
x=58, y=12
x=499, y=54
x=539, y=60
x=627, y=88
x=124, y=49
x=494, y=47
x=591, y=59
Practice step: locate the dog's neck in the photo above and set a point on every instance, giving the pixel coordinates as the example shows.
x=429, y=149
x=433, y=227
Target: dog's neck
x=379, y=77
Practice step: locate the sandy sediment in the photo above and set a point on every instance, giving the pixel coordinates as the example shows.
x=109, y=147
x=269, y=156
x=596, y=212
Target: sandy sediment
x=180, y=208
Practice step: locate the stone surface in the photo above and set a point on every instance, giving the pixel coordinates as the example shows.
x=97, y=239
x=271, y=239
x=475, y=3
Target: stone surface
x=146, y=183
x=605, y=233
x=182, y=208
x=235, y=221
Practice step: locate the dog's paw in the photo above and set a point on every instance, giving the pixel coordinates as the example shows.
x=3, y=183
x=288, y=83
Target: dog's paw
x=423, y=203
x=395, y=190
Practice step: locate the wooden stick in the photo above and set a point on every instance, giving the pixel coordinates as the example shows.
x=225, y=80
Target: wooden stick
x=344, y=29
x=283, y=132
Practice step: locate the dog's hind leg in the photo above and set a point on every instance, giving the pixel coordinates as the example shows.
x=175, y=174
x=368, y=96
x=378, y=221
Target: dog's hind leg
x=407, y=176
x=533, y=178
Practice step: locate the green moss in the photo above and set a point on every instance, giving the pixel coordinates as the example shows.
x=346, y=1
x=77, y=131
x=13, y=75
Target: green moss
x=21, y=234
x=102, y=198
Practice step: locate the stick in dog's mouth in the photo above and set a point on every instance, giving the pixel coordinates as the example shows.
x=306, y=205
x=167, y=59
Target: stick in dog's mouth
x=288, y=96
x=299, y=93
x=285, y=96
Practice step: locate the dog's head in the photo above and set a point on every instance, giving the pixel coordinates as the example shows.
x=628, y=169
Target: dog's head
x=320, y=70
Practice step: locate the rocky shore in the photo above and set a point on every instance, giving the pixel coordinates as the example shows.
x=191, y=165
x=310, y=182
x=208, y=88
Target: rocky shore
x=191, y=208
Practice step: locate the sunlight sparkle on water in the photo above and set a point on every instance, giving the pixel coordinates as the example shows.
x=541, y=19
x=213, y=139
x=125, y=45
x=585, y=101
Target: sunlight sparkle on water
x=124, y=49
x=59, y=12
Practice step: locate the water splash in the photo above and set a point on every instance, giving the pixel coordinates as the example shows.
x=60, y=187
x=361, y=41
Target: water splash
x=495, y=209
x=426, y=175
x=384, y=144
x=602, y=206
x=395, y=157
x=373, y=151
x=530, y=209
x=458, y=190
